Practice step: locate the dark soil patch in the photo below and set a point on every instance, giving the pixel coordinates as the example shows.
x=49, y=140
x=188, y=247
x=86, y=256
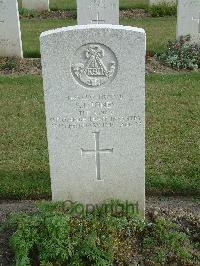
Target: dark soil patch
x=24, y=66
x=183, y=211
x=71, y=14
x=155, y=67
x=6, y=254
x=32, y=66
x=134, y=13
x=60, y=14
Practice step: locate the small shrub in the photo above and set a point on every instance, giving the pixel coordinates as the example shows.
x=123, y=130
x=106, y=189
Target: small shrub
x=9, y=64
x=56, y=236
x=181, y=54
x=165, y=244
x=162, y=10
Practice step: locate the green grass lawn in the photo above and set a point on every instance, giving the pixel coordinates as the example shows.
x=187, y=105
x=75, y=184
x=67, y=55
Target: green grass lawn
x=156, y=29
x=172, y=136
x=31, y=30
x=24, y=160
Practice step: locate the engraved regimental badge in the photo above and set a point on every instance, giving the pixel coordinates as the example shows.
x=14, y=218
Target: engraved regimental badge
x=94, y=65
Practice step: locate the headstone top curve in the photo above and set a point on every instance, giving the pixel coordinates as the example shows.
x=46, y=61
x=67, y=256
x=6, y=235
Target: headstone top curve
x=92, y=26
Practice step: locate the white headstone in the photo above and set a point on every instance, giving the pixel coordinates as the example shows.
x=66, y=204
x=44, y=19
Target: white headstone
x=98, y=12
x=10, y=34
x=157, y=2
x=94, y=86
x=188, y=19
x=38, y=5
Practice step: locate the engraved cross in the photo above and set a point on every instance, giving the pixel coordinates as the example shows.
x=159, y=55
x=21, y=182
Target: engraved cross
x=97, y=20
x=97, y=151
x=198, y=21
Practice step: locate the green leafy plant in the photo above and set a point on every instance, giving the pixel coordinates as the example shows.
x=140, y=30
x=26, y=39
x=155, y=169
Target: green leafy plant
x=162, y=10
x=182, y=54
x=9, y=63
x=165, y=244
x=58, y=236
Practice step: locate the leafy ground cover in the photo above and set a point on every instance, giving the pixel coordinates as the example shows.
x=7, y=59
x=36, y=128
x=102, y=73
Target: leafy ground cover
x=182, y=54
x=69, y=235
x=168, y=236
x=172, y=136
x=32, y=28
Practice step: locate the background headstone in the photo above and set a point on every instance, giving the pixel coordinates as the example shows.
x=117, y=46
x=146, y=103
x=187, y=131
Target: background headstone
x=10, y=34
x=157, y=2
x=39, y=5
x=94, y=87
x=188, y=19
x=98, y=12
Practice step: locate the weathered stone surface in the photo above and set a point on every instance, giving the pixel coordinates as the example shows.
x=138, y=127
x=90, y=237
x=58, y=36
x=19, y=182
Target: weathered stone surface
x=188, y=19
x=39, y=5
x=98, y=12
x=94, y=80
x=10, y=34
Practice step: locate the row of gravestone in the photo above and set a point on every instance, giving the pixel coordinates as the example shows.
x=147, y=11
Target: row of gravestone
x=89, y=12
x=43, y=5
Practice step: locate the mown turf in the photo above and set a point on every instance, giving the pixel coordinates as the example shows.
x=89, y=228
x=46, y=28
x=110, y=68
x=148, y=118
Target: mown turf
x=172, y=136
x=155, y=29
x=24, y=158
x=31, y=30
